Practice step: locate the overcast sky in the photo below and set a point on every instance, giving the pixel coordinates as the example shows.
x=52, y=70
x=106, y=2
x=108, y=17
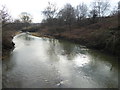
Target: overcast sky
x=34, y=7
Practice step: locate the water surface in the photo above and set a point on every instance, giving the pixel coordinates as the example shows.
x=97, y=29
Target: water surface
x=50, y=63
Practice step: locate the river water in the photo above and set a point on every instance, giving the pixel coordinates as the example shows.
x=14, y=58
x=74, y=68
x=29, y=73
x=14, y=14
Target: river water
x=50, y=63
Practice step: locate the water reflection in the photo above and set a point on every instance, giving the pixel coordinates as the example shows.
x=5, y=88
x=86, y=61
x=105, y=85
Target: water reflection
x=81, y=60
x=44, y=62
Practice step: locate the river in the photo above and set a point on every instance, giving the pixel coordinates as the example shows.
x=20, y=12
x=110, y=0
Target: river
x=39, y=62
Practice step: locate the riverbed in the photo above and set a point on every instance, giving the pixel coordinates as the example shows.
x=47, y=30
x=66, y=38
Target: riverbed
x=40, y=62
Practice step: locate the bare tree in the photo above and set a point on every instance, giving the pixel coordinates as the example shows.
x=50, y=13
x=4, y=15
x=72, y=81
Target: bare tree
x=119, y=15
x=119, y=8
x=114, y=11
x=25, y=17
x=101, y=6
x=50, y=11
x=5, y=17
x=67, y=14
x=93, y=15
x=81, y=11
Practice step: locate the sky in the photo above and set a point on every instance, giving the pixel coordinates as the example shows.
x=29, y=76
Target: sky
x=34, y=7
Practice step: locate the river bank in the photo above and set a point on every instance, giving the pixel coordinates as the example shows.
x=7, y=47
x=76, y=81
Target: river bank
x=8, y=32
x=7, y=44
x=100, y=45
x=103, y=36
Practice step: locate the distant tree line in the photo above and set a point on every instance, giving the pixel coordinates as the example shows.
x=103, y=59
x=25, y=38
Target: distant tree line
x=68, y=16
x=79, y=15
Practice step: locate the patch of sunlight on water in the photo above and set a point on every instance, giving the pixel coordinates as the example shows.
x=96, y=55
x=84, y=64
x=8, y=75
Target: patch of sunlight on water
x=81, y=60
